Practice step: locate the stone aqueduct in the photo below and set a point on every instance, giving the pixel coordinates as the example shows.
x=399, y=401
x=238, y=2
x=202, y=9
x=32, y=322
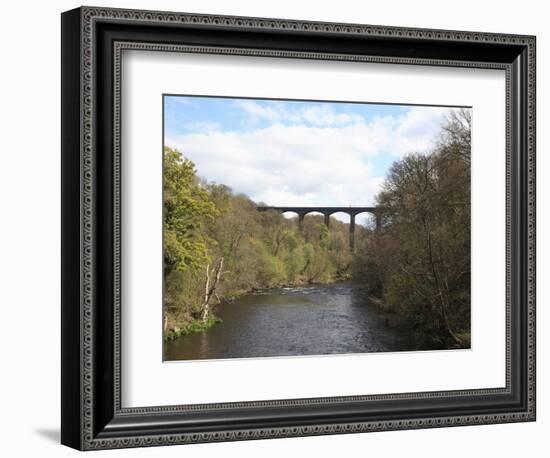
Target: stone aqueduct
x=327, y=211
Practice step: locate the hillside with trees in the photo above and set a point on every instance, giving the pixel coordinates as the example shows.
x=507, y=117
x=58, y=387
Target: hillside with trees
x=217, y=246
x=418, y=265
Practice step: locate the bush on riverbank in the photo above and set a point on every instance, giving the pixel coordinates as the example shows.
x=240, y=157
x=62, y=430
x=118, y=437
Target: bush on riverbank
x=191, y=327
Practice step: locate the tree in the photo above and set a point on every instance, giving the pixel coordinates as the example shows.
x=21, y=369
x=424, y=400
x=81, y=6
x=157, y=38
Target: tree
x=187, y=206
x=420, y=262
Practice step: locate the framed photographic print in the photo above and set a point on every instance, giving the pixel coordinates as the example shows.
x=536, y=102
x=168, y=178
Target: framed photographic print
x=279, y=228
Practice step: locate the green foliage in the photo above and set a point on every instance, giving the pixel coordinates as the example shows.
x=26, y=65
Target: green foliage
x=205, y=222
x=294, y=259
x=271, y=271
x=192, y=326
x=187, y=206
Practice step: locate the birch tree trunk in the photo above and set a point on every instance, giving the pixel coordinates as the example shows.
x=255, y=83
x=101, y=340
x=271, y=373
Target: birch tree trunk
x=210, y=288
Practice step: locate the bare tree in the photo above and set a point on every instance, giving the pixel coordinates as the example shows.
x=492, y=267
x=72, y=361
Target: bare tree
x=212, y=280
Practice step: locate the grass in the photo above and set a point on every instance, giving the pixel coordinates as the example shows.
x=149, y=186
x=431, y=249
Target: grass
x=192, y=327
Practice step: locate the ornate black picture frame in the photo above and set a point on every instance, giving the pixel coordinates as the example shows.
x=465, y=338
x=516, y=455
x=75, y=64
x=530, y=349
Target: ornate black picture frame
x=92, y=42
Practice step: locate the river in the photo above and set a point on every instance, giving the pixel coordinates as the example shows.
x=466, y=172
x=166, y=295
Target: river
x=337, y=318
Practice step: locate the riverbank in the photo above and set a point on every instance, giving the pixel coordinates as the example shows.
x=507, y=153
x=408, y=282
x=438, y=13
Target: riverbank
x=315, y=319
x=192, y=327
x=198, y=325
x=392, y=316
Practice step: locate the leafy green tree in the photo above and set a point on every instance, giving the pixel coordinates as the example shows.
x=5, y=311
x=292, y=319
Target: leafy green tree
x=271, y=271
x=187, y=207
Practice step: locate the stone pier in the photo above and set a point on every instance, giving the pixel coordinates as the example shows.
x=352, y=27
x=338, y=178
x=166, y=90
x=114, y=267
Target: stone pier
x=327, y=212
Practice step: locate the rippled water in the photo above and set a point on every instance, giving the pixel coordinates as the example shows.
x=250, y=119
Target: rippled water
x=308, y=320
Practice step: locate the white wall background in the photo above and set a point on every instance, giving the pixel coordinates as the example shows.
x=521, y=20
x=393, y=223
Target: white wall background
x=30, y=229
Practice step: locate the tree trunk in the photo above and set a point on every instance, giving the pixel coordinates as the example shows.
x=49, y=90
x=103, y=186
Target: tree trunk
x=443, y=297
x=210, y=290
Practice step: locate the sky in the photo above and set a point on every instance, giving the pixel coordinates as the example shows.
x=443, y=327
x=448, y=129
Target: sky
x=298, y=153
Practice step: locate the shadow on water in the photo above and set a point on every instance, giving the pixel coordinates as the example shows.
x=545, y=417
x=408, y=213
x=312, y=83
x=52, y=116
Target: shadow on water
x=311, y=320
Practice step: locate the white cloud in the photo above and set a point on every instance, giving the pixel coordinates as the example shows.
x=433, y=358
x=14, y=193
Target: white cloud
x=181, y=100
x=324, y=115
x=320, y=115
x=202, y=126
x=329, y=163
x=258, y=112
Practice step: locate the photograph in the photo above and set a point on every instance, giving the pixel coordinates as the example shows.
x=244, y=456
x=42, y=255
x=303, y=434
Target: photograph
x=308, y=228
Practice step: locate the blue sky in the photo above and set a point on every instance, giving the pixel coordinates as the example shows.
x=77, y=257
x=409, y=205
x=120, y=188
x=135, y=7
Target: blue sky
x=297, y=152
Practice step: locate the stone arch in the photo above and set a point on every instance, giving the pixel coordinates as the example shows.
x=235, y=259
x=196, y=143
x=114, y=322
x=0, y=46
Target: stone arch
x=327, y=212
